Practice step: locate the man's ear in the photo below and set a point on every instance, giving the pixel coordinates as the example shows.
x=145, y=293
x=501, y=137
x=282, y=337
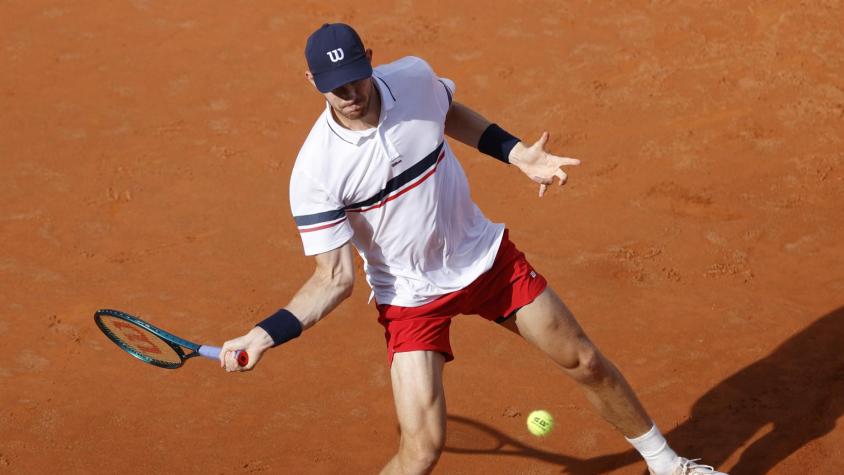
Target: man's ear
x=310, y=78
x=368, y=54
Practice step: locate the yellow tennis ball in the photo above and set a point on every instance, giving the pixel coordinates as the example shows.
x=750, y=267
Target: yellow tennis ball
x=540, y=423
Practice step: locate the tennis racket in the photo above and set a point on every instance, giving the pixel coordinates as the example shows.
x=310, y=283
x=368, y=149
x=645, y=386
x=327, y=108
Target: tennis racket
x=151, y=344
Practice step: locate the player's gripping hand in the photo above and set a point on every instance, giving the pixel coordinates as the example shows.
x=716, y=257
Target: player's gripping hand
x=539, y=165
x=254, y=343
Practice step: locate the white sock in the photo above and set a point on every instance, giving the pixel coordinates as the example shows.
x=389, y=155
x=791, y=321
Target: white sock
x=655, y=450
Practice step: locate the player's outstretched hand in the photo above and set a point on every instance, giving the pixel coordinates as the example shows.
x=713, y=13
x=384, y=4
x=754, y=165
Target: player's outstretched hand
x=254, y=343
x=539, y=165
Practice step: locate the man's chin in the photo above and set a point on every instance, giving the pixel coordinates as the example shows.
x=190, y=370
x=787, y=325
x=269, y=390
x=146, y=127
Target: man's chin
x=354, y=115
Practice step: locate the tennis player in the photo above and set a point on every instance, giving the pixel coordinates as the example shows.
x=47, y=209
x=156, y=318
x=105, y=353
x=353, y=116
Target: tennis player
x=376, y=175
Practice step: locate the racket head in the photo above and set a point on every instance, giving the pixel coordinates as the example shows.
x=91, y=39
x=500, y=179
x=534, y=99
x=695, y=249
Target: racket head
x=139, y=339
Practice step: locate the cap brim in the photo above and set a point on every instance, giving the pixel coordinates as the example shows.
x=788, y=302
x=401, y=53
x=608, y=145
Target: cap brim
x=353, y=71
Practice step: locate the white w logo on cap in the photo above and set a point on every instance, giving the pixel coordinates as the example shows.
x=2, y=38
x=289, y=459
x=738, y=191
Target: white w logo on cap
x=336, y=55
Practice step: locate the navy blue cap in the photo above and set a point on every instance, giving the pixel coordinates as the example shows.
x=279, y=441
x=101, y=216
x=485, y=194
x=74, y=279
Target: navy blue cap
x=336, y=56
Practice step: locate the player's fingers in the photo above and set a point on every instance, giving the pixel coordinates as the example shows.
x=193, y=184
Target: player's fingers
x=231, y=361
x=543, y=139
x=542, y=189
x=564, y=161
x=561, y=175
x=223, y=352
x=228, y=347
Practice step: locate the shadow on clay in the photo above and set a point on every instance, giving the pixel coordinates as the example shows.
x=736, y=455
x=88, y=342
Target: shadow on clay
x=766, y=411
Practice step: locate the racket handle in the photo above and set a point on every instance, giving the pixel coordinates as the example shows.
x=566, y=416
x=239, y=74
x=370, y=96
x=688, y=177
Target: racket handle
x=213, y=352
x=242, y=358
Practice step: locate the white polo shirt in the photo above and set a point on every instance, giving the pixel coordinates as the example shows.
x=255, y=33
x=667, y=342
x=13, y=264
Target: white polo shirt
x=396, y=191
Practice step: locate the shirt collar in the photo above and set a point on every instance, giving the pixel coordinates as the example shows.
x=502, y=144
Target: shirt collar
x=388, y=100
x=356, y=137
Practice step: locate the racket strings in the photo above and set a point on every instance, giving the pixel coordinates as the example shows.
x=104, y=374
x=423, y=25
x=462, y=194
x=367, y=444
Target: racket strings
x=140, y=342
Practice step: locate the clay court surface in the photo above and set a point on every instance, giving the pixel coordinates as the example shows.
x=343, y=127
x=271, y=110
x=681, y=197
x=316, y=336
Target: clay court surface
x=146, y=149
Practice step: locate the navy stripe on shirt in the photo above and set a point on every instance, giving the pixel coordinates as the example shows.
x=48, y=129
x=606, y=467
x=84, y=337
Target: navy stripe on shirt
x=395, y=183
x=316, y=218
x=401, y=179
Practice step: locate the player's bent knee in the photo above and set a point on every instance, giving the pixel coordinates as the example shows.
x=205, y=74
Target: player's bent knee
x=421, y=455
x=591, y=367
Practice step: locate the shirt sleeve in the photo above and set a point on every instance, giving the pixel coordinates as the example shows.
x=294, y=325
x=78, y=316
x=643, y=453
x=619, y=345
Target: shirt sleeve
x=320, y=217
x=443, y=88
x=444, y=93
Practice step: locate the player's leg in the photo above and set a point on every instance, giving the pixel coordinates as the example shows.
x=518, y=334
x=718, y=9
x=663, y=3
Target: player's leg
x=420, y=407
x=549, y=325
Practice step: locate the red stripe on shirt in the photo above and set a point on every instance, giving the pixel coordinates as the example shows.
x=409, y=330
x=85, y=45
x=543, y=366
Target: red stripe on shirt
x=391, y=198
x=324, y=226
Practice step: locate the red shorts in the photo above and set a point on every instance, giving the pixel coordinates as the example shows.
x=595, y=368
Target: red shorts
x=495, y=295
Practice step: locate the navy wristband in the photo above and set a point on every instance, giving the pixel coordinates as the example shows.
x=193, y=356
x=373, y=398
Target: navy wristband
x=282, y=326
x=497, y=143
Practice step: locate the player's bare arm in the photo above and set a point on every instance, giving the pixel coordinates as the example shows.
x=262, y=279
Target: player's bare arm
x=468, y=126
x=330, y=284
